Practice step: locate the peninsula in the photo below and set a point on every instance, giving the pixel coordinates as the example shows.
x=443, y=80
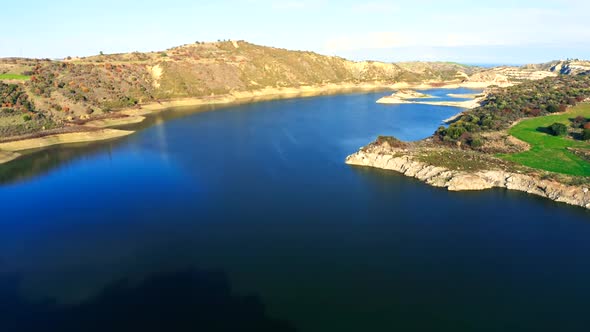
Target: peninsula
x=532, y=137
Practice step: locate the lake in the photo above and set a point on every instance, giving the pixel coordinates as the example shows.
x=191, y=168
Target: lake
x=246, y=218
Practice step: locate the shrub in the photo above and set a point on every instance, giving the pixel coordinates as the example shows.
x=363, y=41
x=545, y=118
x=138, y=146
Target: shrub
x=586, y=134
x=552, y=108
x=27, y=117
x=558, y=129
x=476, y=142
x=454, y=132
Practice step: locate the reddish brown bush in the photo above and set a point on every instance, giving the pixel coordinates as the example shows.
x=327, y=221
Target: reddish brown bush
x=535, y=112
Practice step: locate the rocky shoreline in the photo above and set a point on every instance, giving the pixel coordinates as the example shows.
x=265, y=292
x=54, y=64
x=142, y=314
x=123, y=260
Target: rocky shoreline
x=460, y=180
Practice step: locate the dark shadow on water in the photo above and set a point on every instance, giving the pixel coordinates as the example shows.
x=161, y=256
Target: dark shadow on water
x=190, y=300
x=44, y=161
x=37, y=163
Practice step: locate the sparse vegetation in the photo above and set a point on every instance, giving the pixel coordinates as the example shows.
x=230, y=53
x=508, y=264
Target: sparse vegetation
x=392, y=141
x=504, y=106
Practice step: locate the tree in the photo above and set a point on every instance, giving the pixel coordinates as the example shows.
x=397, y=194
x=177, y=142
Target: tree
x=558, y=129
x=101, y=53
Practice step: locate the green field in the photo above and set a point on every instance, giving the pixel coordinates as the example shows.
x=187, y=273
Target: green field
x=14, y=77
x=550, y=152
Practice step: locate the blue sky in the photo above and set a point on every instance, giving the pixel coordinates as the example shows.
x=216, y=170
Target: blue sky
x=496, y=31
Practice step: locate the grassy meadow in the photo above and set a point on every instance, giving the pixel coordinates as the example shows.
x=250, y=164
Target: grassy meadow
x=549, y=152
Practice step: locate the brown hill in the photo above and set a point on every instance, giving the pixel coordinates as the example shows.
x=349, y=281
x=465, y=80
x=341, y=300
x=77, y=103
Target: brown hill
x=63, y=91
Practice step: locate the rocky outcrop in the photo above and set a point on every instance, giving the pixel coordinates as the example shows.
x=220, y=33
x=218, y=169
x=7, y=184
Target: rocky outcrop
x=455, y=180
x=571, y=67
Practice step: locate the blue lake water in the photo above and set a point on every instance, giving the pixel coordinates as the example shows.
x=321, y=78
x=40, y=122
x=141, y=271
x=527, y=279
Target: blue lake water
x=247, y=219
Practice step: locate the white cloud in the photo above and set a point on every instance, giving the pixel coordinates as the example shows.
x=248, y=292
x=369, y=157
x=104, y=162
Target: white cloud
x=474, y=27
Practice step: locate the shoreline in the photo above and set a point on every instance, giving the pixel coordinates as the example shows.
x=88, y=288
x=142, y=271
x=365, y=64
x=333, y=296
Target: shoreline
x=468, y=104
x=7, y=156
x=138, y=115
x=12, y=147
x=405, y=163
x=410, y=96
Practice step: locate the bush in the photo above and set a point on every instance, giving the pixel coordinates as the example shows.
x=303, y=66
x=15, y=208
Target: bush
x=476, y=142
x=454, y=132
x=27, y=118
x=586, y=134
x=552, y=108
x=558, y=129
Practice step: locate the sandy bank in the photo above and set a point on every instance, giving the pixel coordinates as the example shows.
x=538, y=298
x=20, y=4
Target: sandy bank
x=468, y=104
x=6, y=156
x=241, y=97
x=114, y=122
x=79, y=137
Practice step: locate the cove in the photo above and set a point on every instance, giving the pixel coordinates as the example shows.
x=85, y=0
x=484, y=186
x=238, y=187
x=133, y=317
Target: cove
x=248, y=215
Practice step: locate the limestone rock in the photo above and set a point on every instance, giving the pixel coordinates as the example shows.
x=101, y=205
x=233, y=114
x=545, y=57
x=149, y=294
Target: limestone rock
x=462, y=180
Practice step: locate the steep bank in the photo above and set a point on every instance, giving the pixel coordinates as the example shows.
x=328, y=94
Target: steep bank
x=473, y=176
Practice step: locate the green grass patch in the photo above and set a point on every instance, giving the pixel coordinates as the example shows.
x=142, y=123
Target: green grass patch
x=14, y=77
x=549, y=152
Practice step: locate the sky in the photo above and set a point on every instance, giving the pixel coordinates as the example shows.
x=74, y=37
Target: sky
x=478, y=32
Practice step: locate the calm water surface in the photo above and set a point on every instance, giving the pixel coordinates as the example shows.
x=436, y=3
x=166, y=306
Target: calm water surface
x=247, y=219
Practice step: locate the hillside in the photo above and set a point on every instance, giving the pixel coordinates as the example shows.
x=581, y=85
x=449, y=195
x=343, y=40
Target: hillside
x=77, y=89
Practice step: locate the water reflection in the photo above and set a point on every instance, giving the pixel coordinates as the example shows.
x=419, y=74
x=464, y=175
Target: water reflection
x=41, y=162
x=189, y=300
x=36, y=163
